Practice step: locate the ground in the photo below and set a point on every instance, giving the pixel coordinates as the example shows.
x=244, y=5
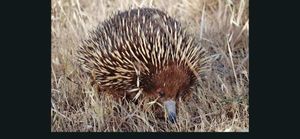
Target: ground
x=221, y=104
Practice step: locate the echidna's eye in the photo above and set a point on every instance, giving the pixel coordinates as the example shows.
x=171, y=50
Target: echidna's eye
x=161, y=93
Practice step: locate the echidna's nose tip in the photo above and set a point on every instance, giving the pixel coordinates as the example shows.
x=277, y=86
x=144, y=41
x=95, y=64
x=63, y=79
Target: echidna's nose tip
x=172, y=117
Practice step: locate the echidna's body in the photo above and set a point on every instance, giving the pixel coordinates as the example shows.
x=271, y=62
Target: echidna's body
x=143, y=51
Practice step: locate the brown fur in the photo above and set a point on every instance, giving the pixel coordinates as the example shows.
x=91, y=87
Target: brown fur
x=172, y=82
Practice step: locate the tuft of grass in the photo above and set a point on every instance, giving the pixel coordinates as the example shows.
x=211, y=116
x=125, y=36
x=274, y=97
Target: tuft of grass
x=221, y=104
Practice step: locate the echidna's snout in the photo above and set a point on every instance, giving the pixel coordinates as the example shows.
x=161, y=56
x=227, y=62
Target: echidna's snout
x=170, y=106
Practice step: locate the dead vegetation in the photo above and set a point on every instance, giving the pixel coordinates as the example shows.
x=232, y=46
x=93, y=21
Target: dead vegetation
x=221, y=104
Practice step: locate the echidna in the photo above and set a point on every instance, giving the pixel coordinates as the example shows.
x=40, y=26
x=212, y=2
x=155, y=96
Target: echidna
x=144, y=52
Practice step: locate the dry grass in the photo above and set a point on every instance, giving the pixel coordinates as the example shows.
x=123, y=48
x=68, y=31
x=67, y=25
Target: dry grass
x=220, y=105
